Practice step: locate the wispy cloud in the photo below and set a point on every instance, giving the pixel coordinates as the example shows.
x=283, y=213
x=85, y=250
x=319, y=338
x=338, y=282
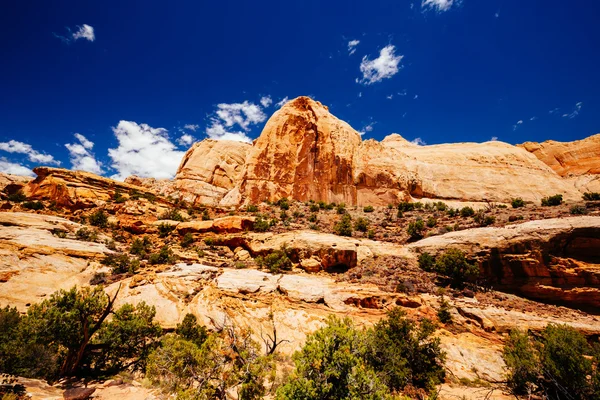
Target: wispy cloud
x=533, y=118
x=383, y=67
x=14, y=146
x=367, y=128
x=352, y=46
x=266, y=101
x=283, y=101
x=84, y=31
x=418, y=141
x=191, y=127
x=81, y=156
x=12, y=168
x=575, y=111
x=516, y=126
x=438, y=5
x=553, y=111
x=494, y=139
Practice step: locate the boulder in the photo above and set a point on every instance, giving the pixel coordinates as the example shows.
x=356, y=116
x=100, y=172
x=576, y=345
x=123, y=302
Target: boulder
x=233, y=224
x=194, y=227
x=80, y=393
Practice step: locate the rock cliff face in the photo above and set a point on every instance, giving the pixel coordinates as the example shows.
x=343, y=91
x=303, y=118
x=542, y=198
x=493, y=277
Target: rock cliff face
x=306, y=153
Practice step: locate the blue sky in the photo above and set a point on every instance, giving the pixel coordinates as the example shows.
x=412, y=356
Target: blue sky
x=122, y=87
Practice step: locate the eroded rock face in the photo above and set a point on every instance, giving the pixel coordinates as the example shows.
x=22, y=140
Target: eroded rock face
x=306, y=153
x=553, y=260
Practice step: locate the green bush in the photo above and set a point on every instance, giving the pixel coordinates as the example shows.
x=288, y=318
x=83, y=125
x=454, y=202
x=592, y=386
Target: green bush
x=371, y=234
x=118, y=197
x=368, y=209
x=314, y=207
x=164, y=256
x=454, y=265
x=361, y=224
x=99, y=218
x=17, y=197
x=284, y=203
x=140, y=247
x=283, y=215
x=121, y=263
x=452, y=212
x=205, y=215
x=312, y=218
x=164, y=229
x=189, y=329
x=260, y=224
x=431, y=222
x=591, y=196
x=33, y=205
x=344, y=226
x=578, y=210
x=467, y=212
x=404, y=206
x=558, y=363
x=443, y=313
x=426, y=262
x=415, y=229
x=550, y=201
x=86, y=234
x=251, y=208
x=276, y=261
x=440, y=206
x=341, y=208
x=187, y=240
x=482, y=219
x=173, y=215
x=517, y=203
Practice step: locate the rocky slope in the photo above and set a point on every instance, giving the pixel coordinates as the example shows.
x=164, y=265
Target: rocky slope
x=306, y=153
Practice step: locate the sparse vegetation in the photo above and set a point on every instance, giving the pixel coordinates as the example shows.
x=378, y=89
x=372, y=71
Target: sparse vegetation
x=483, y=219
x=312, y=218
x=140, y=247
x=415, y=229
x=368, y=209
x=341, y=208
x=467, y=212
x=17, y=197
x=452, y=264
x=261, y=224
x=314, y=207
x=164, y=256
x=431, y=222
x=361, y=224
x=552, y=201
x=121, y=263
x=33, y=205
x=173, y=215
x=99, y=218
x=165, y=229
x=251, y=208
x=517, y=203
x=578, y=210
x=443, y=313
x=344, y=226
x=276, y=261
x=205, y=215
x=284, y=203
x=85, y=234
x=591, y=196
x=118, y=197
x=187, y=240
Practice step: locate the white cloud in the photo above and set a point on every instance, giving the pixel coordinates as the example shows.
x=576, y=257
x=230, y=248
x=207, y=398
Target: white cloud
x=143, y=151
x=418, y=141
x=494, y=138
x=439, y=5
x=85, y=32
x=14, y=146
x=81, y=157
x=403, y=93
x=359, y=94
x=389, y=97
x=416, y=97
x=575, y=112
x=283, y=101
x=14, y=169
x=533, y=118
x=227, y=116
x=352, y=46
x=515, y=126
x=191, y=127
x=186, y=140
x=367, y=128
x=553, y=111
x=266, y=101
x=497, y=15
x=383, y=67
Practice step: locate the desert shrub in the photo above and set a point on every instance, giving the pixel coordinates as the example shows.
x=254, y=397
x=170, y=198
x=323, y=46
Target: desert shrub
x=415, y=229
x=205, y=215
x=251, y=208
x=164, y=229
x=591, y=196
x=431, y=222
x=59, y=336
x=33, y=205
x=17, y=197
x=452, y=212
x=482, y=219
x=440, y=206
x=404, y=206
x=187, y=240
x=99, y=218
x=164, y=256
x=426, y=262
x=454, y=265
x=86, y=234
x=276, y=261
x=550, y=201
x=312, y=218
x=341, y=208
x=467, y=212
x=140, y=247
x=283, y=215
x=371, y=234
x=344, y=226
x=283, y=203
x=118, y=197
x=361, y=224
x=578, y=210
x=260, y=224
x=61, y=233
x=227, y=361
x=314, y=207
x=517, y=203
x=189, y=329
x=404, y=353
x=558, y=364
x=173, y=215
x=121, y=263
x=443, y=313
x=368, y=209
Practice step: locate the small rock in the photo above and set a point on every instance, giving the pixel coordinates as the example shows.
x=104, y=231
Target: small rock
x=311, y=264
x=78, y=393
